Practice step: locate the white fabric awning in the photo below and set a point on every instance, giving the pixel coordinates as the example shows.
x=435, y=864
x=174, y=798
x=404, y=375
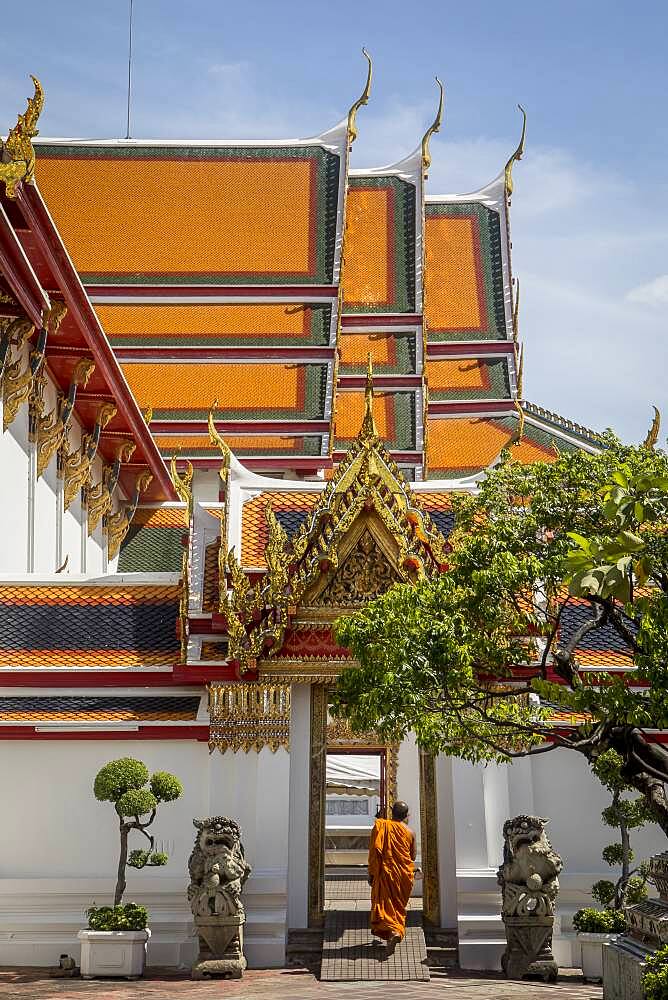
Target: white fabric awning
x=350, y=774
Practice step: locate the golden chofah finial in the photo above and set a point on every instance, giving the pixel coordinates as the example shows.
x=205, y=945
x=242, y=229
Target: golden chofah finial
x=653, y=432
x=520, y=373
x=216, y=439
x=434, y=127
x=364, y=99
x=369, y=429
x=517, y=155
x=17, y=162
x=516, y=311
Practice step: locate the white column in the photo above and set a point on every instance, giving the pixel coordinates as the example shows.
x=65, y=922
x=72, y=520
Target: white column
x=447, y=855
x=32, y=481
x=497, y=810
x=520, y=787
x=298, y=829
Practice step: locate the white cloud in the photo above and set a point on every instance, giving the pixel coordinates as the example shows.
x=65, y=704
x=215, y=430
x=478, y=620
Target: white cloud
x=652, y=293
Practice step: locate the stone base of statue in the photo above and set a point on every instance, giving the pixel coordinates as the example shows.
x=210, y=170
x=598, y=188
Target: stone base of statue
x=529, y=948
x=221, y=947
x=624, y=959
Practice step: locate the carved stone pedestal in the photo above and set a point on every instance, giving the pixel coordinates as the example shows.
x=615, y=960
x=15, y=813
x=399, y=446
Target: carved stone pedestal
x=221, y=947
x=529, y=948
x=624, y=960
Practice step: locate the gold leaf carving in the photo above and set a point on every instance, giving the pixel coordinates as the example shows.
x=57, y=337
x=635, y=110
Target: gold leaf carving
x=18, y=156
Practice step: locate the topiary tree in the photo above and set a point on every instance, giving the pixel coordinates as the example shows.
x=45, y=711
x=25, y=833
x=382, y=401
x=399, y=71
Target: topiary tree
x=124, y=782
x=624, y=815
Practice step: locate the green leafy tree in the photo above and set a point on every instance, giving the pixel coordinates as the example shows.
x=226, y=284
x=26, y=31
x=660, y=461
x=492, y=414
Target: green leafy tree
x=543, y=558
x=135, y=796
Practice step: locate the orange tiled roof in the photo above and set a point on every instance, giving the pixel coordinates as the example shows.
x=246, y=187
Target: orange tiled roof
x=463, y=373
x=254, y=532
x=460, y=445
x=248, y=323
x=159, y=517
x=350, y=413
x=86, y=595
x=237, y=442
x=98, y=708
x=452, y=286
x=182, y=216
x=368, y=272
x=260, y=387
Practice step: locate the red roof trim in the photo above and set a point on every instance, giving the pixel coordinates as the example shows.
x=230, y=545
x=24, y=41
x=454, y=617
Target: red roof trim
x=197, y=733
x=470, y=349
x=18, y=273
x=299, y=292
x=490, y=407
x=51, y=247
x=292, y=355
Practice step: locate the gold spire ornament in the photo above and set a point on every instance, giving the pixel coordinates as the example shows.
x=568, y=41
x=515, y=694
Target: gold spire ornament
x=516, y=311
x=517, y=155
x=653, y=433
x=369, y=430
x=434, y=127
x=363, y=99
x=520, y=372
x=17, y=157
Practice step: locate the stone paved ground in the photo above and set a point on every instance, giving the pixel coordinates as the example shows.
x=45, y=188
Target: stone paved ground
x=284, y=984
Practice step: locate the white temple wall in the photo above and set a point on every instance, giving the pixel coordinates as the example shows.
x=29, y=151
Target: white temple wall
x=559, y=786
x=38, y=533
x=408, y=783
x=60, y=845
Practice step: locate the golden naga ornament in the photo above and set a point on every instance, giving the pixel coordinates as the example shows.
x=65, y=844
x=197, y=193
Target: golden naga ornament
x=17, y=161
x=51, y=429
x=77, y=465
x=18, y=376
x=117, y=525
x=98, y=497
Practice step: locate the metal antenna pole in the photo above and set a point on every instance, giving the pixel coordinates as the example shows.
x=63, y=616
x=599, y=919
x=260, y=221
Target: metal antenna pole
x=127, y=134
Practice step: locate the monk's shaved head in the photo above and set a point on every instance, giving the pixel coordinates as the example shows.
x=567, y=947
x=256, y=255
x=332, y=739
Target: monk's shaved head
x=399, y=810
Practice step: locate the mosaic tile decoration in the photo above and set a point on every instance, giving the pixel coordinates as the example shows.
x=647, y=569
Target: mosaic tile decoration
x=379, y=272
x=243, y=445
x=154, y=542
x=88, y=626
x=227, y=325
x=463, y=294
x=263, y=391
x=99, y=708
x=225, y=215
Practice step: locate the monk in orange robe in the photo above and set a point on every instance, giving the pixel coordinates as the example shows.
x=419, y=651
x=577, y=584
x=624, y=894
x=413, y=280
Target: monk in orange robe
x=391, y=874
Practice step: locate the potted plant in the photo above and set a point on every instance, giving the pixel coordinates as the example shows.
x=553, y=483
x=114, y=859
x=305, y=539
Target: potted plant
x=597, y=927
x=115, y=941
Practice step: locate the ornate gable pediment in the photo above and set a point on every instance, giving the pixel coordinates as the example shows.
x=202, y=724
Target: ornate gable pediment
x=365, y=534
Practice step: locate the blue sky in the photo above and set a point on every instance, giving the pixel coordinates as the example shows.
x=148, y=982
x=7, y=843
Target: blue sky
x=590, y=222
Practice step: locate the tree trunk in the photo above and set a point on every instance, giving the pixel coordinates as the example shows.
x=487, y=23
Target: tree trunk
x=655, y=795
x=122, y=864
x=622, y=885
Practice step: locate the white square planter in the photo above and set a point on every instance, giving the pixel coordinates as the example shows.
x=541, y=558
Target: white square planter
x=113, y=953
x=592, y=954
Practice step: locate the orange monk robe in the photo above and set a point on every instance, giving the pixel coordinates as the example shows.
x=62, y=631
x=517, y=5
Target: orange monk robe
x=391, y=871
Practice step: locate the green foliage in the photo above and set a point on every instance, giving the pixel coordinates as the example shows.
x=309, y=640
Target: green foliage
x=603, y=891
x=636, y=890
x=118, y=777
x=613, y=854
x=127, y=917
x=591, y=921
x=165, y=786
x=434, y=657
x=140, y=859
x=655, y=975
x=136, y=802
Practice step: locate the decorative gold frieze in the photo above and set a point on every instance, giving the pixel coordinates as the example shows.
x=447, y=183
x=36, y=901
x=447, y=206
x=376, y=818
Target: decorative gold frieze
x=317, y=789
x=431, y=901
x=249, y=717
x=17, y=157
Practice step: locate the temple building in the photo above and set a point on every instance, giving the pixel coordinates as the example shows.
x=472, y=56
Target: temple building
x=240, y=382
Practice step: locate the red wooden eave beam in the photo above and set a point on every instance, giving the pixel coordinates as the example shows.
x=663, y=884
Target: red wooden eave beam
x=18, y=273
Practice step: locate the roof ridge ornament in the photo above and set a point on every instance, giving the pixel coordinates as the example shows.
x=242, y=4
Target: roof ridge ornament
x=17, y=156
x=434, y=127
x=517, y=155
x=653, y=433
x=363, y=99
x=368, y=430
